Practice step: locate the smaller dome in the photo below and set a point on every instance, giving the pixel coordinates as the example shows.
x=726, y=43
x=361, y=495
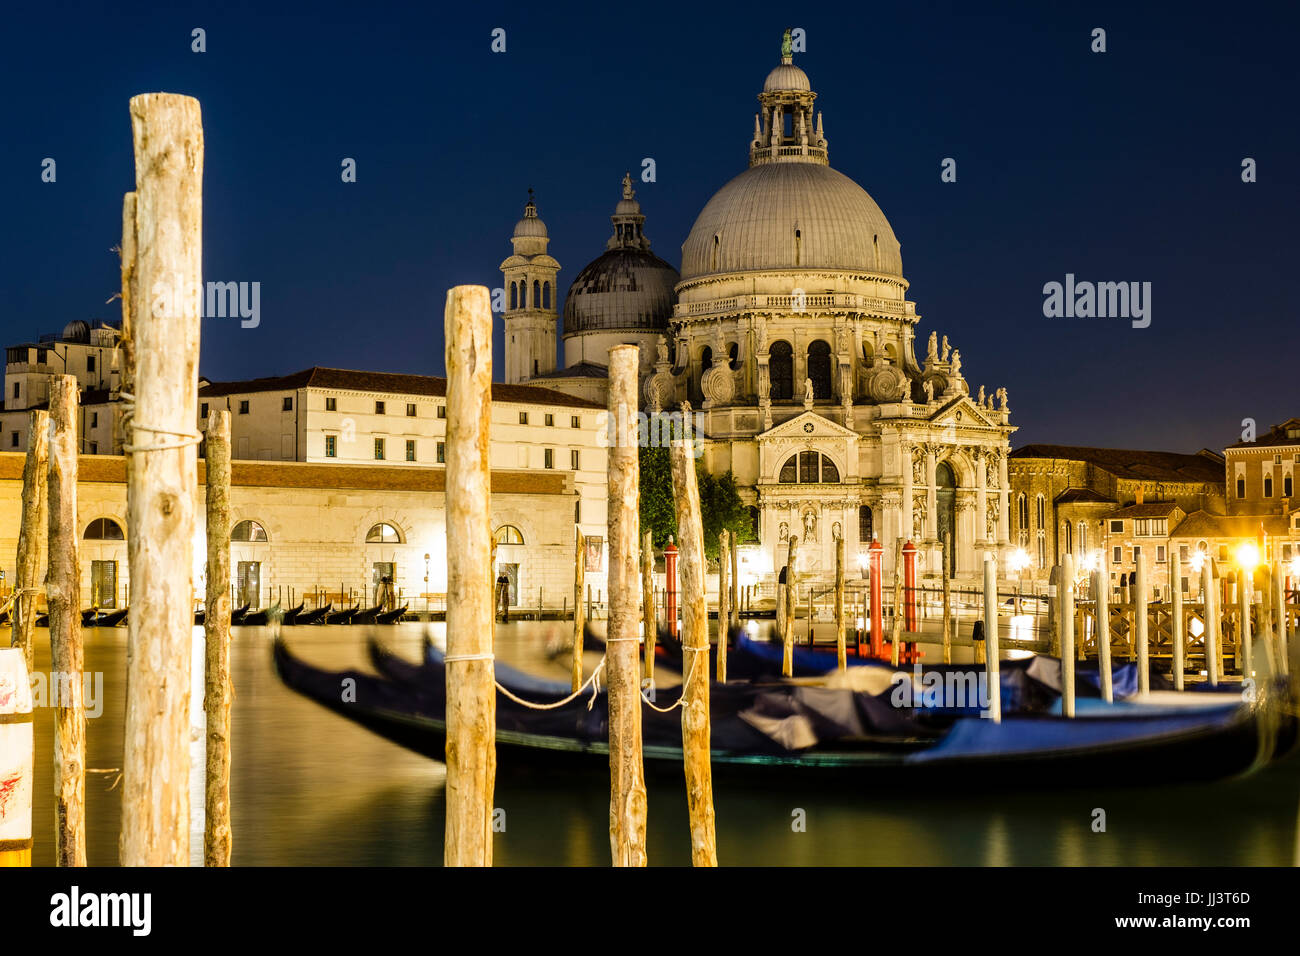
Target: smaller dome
x=76, y=331
x=787, y=76
x=627, y=207
x=530, y=227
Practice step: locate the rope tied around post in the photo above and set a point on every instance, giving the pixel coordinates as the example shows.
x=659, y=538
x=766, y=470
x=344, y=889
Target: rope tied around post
x=593, y=682
x=128, y=420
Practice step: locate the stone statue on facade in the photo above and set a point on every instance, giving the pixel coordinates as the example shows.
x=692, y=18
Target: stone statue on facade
x=807, y=393
x=662, y=348
x=809, y=527
x=760, y=334
x=1002, y=400
x=928, y=388
x=980, y=400
x=944, y=357
x=956, y=364
x=932, y=349
x=784, y=532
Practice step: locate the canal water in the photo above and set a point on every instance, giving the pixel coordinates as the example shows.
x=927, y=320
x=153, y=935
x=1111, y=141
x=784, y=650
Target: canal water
x=310, y=788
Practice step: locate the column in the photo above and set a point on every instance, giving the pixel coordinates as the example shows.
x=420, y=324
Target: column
x=931, y=499
x=905, y=454
x=1004, y=492
x=981, y=498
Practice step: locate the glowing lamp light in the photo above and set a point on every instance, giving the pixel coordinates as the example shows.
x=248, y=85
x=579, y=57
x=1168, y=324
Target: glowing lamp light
x=1198, y=560
x=863, y=560
x=1295, y=567
x=1017, y=561
x=1248, y=557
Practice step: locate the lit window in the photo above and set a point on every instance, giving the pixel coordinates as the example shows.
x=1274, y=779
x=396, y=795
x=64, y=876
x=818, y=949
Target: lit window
x=573, y=459
x=410, y=449
x=379, y=449
x=104, y=529
x=507, y=534
x=383, y=533
x=248, y=531
x=331, y=446
x=548, y=458
x=442, y=453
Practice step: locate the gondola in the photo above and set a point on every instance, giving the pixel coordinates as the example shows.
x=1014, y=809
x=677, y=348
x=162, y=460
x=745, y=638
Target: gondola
x=833, y=734
x=238, y=614
x=391, y=617
x=110, y=618
x=263, y=617
x=291, y=615
x=316, y=616
x=366, y=615
x=342, y=617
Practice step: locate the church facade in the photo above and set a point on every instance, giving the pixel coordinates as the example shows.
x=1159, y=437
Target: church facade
x=790, y=329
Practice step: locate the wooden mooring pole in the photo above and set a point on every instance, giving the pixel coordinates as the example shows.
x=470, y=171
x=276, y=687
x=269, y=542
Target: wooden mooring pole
x=579, y=618
x=724, y=597
x=1245, y=593
x=161, y=274
x=896, y=625
x=841, y=649
x=1140, y=624
x=1279, y=619
x=1176, y=620
x=217, y=689
x=1065, y=620
x=992, y=664
x=471, y=692
x=787, y=599
x=734, y=602
x=1211, y=610
x=695, y=654
x=31, y=533
x=948, y=628
x=648, y=616
x=63, y=593
x=1101, y=625
x=627, y=794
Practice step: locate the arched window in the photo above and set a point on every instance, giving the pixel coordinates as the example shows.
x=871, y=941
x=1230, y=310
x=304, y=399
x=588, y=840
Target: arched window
x=733, y=356
x=514, y=295
x=717, y=240
x=248, y=531
x=1069, y=538
x=798, y=247
x=537, y=293
x=1039, y=509
x=1083, y=537
x=383, y=533
x=508, y=534
x=781, y=371
x=809, y=468
x=546, y=295
x=104, y=529
x=864, y=524
x=1022, y=512
x=819, y=369
x=706, y=363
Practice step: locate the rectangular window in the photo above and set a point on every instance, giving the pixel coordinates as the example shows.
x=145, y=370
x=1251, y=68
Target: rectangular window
x=1268, y=486
x=94, y=448
x=1241, y=487
x=550, y=419
x=1286, y=486
x=523, y=418
x=243, y=407
x=1182, y=552
x=379, y=408
x=1160, y=554
x=331, y=404
x=575, y=421
x=203, y=410
x=1117, y=554
x=1137, y=549
x=1142, y=526
x=548, y=458
x=410, y=409
x=442, y=411
x=577, y=511
x=331, y=446
x=442, y=453
x=13, y=440
x=410, y=449
x=573, y=459
x=1117, y=527
x=287, y=405
x=94, y=419
x=379, y=449
x=16, y=389
x=90, y=363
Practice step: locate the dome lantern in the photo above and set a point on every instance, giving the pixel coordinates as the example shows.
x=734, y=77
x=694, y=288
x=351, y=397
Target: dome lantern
x=785, y=131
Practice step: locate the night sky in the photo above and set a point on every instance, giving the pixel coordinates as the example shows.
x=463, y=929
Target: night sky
x=1122, y=166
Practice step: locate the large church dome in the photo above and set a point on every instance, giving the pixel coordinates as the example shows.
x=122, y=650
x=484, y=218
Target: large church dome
x=790, y=210
x=791, y=216
x=628, y=287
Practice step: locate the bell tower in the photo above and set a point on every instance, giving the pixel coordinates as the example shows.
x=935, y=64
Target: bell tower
x=531, y=317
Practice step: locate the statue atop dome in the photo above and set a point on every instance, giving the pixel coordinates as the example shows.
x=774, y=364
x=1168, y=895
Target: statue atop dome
x=787, y=47
x=628, y=191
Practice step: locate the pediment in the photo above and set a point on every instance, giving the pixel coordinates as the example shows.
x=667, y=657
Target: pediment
x=963, y=412
x=808, y=425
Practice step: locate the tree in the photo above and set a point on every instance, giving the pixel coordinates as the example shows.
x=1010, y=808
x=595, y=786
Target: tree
x=719, y=502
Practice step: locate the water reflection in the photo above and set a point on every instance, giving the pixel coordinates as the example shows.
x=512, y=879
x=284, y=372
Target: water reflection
x=310, y=788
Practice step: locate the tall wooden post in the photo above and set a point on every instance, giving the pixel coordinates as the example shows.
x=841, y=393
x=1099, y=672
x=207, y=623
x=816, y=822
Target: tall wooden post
x=161, y=296
x=947, y=599
x=1279, y=619
x=695, y=654
x=1140, y=624
x=787, y=635
x=579, y=618
x=470, y=674
x=217, y=690
x=734, y=602
x=627, y=792
x=896, y=626
x=63, y=592
x=31, y=533
x=1101, y=601
x=16, y=755
x=993, y=662
x=1211, y=633
x=724, y=599
x=1245, y=592
x=1176, y=620
x=651, y=626
x=1065, y=619
x=841, y=650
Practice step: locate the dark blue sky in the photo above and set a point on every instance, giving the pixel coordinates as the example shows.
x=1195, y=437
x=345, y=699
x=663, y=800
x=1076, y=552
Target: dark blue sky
x=1117, y=166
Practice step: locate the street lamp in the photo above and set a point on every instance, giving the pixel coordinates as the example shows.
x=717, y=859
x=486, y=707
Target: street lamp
x=1017, y=561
